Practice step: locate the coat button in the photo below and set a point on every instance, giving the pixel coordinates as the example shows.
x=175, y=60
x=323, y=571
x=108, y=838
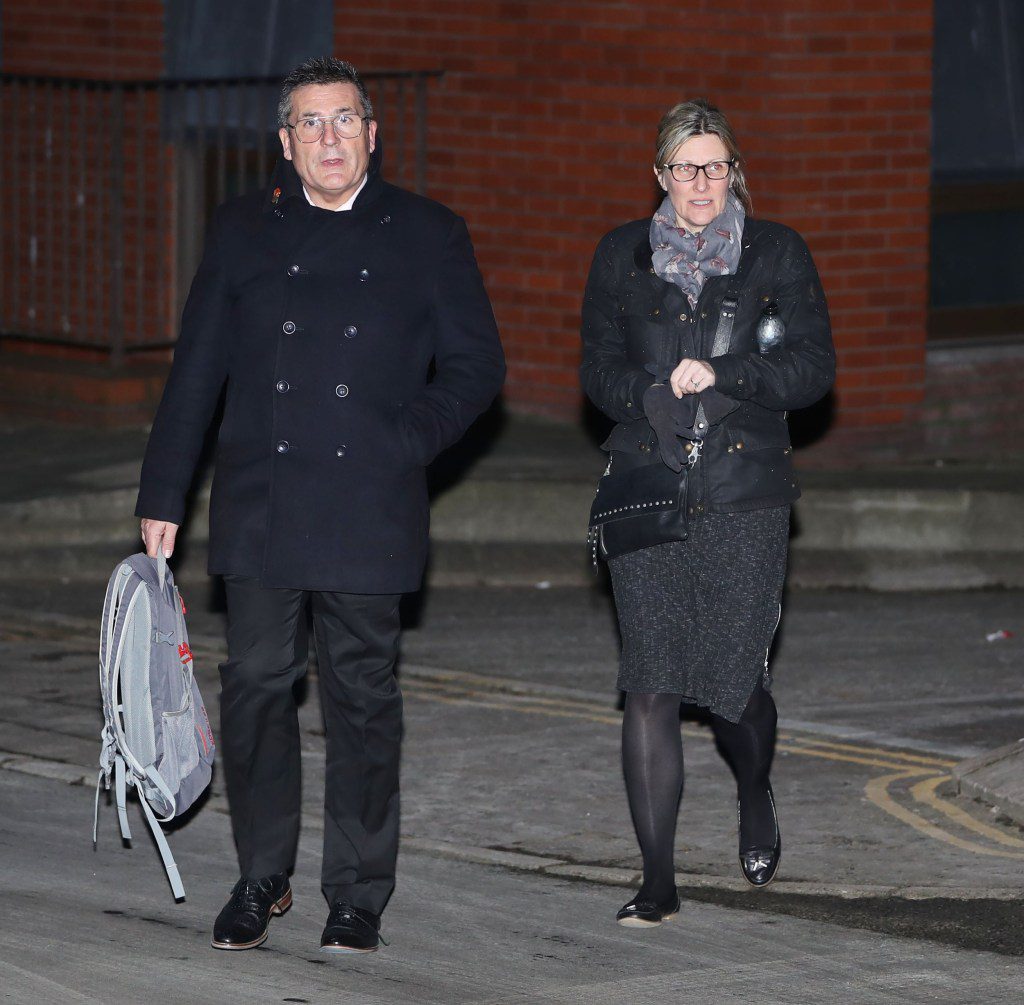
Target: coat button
x=340, y=451
x=283, y=446
x=288, y=327
x=283, y=386
x=341, y=390
x=386, y=218
x=364, y=274
x=351, y=331
x=682, y=317
x=294, y=270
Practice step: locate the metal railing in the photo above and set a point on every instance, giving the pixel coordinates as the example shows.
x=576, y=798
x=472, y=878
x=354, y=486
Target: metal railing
x=109, y=185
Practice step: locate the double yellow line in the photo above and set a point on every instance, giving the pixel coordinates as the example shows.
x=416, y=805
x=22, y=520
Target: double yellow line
x=927, y=773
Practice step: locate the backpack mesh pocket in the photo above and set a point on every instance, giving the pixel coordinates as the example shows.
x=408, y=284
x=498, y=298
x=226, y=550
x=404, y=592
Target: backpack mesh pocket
x=181, y=751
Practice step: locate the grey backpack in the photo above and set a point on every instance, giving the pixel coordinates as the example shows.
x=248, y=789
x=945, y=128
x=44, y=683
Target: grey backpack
x=156, y=734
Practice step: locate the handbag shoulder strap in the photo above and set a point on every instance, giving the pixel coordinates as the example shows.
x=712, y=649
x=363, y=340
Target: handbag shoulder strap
x=719, y=347
x=726, y=318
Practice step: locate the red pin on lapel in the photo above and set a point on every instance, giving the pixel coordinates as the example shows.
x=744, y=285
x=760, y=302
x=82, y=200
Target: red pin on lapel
x=275, y=196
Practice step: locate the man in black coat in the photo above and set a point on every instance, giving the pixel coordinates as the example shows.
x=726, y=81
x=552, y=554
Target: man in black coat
x=320, y=303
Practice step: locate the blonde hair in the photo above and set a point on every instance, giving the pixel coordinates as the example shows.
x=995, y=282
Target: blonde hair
x=701, y=118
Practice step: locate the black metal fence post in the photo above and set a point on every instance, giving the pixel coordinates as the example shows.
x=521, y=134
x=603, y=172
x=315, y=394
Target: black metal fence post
x=99, y=258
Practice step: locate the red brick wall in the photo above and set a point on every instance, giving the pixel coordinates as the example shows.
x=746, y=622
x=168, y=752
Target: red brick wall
x=970, y=409
x=61, y=265
x=104, y=39
x=542, y=134
x=850, y=99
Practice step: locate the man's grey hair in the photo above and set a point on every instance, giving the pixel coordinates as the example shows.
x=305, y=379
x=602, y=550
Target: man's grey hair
x=320, y=70
x=700, y=118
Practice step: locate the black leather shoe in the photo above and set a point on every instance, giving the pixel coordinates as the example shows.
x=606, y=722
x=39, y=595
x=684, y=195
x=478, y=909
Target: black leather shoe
x=351, y=930
x=643, y=913
x=760, y=864
x=244, y=921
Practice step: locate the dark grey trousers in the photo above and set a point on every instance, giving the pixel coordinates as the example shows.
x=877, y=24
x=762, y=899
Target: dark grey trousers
x=356, y=640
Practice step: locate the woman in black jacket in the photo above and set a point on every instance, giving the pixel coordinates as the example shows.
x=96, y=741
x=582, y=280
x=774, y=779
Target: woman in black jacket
x=701, y=328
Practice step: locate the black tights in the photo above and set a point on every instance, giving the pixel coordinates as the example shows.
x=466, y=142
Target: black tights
x=652, y=762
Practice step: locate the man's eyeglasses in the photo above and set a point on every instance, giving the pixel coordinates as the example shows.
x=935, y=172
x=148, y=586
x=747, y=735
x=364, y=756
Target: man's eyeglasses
x=347, y=125
x=713, y=170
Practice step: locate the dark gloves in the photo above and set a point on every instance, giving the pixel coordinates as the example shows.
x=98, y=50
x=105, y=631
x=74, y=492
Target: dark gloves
x=670, y=418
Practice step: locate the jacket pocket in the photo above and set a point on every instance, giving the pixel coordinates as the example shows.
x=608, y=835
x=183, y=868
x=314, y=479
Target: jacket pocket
x=755, y=464
x=382, y=448
x=631, y=437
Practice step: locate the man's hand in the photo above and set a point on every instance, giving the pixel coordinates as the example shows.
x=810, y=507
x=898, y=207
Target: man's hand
x=691, y=377
x=159, y=532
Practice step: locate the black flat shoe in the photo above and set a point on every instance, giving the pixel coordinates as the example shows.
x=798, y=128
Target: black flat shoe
x=643, y=913
x=760, y=864
x=351, y=930
x=244, y=921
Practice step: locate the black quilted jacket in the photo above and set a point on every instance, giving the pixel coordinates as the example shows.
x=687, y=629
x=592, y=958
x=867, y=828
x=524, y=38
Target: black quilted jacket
x=632, y=320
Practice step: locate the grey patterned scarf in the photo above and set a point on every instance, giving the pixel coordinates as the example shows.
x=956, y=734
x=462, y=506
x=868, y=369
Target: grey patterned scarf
x=688, y=259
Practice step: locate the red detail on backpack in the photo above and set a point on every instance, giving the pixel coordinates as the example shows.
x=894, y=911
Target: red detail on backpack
x=181, y=600
x=205, y=733
x=185, y=653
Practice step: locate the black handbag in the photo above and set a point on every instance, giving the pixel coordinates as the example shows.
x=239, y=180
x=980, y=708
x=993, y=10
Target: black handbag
x=636, y=509
x=646, y=506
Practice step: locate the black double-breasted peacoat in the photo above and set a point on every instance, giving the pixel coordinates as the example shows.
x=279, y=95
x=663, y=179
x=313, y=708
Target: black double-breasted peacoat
x=321, y=329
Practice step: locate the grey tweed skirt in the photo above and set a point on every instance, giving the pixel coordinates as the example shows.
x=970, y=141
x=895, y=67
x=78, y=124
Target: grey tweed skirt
x=697, y=617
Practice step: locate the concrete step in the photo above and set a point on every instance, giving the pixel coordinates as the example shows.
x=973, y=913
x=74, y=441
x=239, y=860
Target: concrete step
x=510, y=505
x=996, y=778
x=494, y=530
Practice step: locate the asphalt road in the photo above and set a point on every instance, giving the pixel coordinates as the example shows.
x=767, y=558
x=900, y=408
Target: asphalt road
x=518, y=848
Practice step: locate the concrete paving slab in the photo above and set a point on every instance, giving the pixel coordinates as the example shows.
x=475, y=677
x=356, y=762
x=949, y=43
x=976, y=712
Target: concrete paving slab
x=99, y=927
x=511, y=692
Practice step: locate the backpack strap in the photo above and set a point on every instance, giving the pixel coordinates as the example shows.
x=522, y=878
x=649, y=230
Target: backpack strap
x=96, y=807
x=121, y=796
x=170, y=867
x=114, y=681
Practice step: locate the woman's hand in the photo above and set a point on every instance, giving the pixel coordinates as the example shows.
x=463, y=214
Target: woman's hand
x=691, y=376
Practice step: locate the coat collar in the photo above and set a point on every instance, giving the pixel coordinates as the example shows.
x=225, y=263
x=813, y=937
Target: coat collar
x=285, y=184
